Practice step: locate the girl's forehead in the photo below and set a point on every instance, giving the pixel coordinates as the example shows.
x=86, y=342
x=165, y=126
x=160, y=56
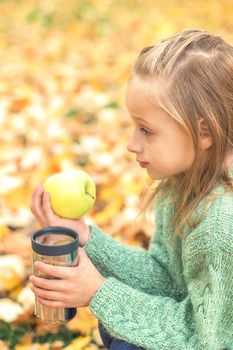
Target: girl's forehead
x=142, y=92
x=150, y=87
x=142, y=105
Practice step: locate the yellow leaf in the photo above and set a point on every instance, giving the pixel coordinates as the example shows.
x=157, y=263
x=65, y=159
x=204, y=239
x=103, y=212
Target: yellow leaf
x=84, y=322
x=4, y=231
x=12, y=271
x=3, y=345
x=18, y=197
x=78, y=344
x=109, y=212
x=91, y=347
x=9, y=310
x=32, y=347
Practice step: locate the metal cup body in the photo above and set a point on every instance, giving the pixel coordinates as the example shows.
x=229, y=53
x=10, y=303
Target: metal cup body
x=55, y=246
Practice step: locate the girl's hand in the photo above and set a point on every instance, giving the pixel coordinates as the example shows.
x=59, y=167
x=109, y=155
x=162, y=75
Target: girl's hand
x=41, y=209
x=73, y=287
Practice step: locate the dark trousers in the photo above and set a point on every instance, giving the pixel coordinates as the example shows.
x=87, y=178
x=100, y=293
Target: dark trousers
x=115, y=344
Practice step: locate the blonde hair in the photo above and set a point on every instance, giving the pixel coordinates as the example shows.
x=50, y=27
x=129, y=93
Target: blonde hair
x=198, y=67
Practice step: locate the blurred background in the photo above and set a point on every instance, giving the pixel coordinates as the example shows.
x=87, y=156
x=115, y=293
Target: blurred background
x=64, y=67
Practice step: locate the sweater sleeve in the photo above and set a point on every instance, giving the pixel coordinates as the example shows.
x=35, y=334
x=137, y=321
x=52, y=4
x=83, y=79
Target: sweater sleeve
x=203, y=320
x=135, y=266
x=147, y=321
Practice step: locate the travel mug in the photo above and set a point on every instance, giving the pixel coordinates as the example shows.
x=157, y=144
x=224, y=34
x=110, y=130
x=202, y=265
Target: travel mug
x=56, y=246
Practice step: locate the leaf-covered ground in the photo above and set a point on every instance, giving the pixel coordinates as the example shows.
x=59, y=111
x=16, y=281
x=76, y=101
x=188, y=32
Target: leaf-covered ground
x=64, y=68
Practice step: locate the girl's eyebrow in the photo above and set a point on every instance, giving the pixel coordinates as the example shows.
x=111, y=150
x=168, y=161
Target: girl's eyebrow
x=140, y=119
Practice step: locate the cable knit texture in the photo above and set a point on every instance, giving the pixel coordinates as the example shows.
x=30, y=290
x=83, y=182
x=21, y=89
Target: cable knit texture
x=178, y=294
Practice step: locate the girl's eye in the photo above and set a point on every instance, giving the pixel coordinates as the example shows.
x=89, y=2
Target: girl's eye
x=145, y=131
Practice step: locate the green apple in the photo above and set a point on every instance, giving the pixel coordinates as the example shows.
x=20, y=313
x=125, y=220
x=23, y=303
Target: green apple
x=72, y=193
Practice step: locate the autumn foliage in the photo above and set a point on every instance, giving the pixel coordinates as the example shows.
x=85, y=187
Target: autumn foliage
x=64, y=68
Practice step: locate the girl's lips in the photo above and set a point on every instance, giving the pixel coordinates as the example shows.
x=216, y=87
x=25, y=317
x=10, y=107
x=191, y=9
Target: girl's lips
x=143, y=164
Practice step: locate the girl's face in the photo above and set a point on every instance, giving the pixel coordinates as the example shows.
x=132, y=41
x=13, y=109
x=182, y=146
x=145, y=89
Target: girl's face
x=160, y=144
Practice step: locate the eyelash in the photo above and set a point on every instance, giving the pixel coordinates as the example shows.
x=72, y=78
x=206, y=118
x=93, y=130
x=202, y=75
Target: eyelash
x=145, y=131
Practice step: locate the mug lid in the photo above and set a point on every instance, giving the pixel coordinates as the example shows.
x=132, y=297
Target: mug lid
x=54, y=250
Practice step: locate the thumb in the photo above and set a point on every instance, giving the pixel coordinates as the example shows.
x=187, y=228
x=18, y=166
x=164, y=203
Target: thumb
x=82, y=255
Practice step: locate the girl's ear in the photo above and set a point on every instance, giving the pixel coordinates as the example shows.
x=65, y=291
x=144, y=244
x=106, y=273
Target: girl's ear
x=206, y=139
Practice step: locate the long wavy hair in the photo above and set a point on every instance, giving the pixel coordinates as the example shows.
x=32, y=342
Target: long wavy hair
x=198, y=67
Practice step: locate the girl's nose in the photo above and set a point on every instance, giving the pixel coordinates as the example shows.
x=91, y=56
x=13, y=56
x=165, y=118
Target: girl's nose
x=134, y=144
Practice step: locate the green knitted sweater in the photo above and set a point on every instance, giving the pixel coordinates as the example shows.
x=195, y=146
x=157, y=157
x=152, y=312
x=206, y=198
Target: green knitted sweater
x=178, y=294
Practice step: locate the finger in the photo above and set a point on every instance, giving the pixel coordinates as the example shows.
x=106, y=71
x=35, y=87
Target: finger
x=51, y=303
x=82, y=256
x=36, y=204
x=36, y=199
x=53, y=270
x=51, y=239
x=81, y=251
x=49, y=284
x=47, y=210
x=48, y=294
x=82, y=221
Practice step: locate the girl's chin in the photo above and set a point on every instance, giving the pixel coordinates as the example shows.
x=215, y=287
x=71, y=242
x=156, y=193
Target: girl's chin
x=155, y=176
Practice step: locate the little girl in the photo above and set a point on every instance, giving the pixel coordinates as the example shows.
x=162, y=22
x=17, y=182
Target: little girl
x=178, y=294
